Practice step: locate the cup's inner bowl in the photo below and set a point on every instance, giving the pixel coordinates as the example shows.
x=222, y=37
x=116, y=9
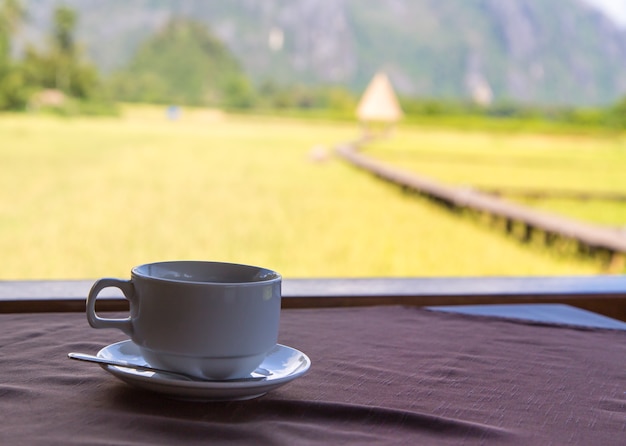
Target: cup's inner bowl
x=213, y=272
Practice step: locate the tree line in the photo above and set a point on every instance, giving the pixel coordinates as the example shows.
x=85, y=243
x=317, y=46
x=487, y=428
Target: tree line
x=58, y=66
x=184, y=63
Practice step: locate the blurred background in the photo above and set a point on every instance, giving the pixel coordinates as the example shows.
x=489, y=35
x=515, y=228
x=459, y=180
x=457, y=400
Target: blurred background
x=134, y=131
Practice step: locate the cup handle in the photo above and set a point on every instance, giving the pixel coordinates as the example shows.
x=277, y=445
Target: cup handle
x=127, y=287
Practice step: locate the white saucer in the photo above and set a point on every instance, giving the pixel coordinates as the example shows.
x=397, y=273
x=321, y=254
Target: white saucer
x=284, y=363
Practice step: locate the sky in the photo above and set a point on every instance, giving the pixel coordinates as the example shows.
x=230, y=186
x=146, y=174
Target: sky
x=616, y=9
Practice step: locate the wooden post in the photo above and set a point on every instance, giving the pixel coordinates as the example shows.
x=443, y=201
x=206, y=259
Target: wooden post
x=509, y=226
x=617, y=262
x=528, y=233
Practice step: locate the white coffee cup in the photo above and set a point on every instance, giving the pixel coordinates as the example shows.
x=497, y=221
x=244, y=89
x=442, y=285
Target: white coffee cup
x=207, y=319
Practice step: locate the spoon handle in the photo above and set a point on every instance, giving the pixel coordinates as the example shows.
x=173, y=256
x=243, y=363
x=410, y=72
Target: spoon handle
x=92, y=358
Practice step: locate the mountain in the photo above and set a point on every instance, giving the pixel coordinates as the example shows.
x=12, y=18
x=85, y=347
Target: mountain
x=530, y=51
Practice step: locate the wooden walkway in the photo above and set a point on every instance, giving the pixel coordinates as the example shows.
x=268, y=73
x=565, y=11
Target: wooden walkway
x=591, y=238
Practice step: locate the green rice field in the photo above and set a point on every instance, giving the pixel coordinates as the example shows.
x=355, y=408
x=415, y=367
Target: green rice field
x=554, y=162
x=92, y=197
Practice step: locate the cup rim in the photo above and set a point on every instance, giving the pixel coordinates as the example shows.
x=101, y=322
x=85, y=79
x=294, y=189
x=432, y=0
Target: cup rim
x=274, y=276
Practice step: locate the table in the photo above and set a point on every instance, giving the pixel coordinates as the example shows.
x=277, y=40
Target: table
x=379, y=375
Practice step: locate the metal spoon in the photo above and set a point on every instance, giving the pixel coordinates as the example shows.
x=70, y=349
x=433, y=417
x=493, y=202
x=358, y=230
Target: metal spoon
x=257, y=375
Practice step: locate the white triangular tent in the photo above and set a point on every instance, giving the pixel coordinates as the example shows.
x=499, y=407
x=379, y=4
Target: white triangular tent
x=379, y=102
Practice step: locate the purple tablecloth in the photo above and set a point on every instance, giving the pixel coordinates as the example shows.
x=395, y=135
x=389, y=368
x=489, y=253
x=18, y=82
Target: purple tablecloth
x=380, y=375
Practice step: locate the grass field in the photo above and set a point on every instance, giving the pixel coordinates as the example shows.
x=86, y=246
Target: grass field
x=92, y=197
x=496, y=160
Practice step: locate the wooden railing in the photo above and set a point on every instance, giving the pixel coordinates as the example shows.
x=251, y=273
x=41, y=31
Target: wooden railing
x=602, y=294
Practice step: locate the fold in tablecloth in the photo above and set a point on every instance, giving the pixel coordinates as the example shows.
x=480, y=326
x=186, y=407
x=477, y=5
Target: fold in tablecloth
x=380, y=375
